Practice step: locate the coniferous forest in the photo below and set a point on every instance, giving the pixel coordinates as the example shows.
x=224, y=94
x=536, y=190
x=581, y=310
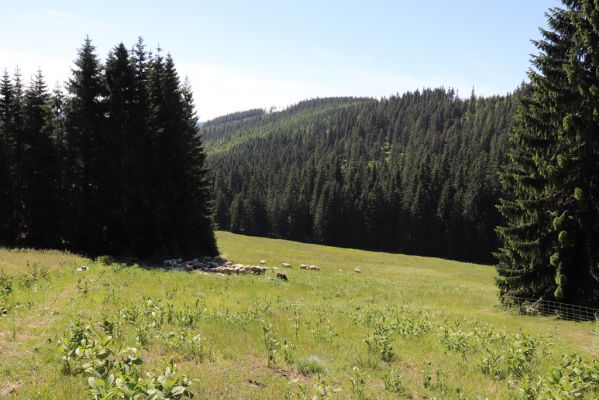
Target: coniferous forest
x=113, y=165
x=415, y=173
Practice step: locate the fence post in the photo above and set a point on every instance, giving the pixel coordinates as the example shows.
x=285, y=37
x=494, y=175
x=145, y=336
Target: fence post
x=596, y=335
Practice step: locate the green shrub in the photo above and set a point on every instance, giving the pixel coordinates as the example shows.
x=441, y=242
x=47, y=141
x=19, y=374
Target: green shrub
x=358, y=383
x=394, y=383
x=379, y=342
x=573, y=379
x=5, y=292
x=116, y=374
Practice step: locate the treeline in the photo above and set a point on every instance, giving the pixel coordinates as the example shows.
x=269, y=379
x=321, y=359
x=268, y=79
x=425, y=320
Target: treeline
x=415, y=173
x=114, y=165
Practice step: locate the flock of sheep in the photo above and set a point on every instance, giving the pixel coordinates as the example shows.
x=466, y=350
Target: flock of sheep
x=222, y=266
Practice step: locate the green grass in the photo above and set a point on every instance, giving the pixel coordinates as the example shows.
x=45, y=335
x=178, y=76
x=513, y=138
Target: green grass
x=415, y=327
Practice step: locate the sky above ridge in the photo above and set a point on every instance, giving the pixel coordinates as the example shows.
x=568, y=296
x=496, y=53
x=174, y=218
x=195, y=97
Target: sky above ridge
x=261, y=54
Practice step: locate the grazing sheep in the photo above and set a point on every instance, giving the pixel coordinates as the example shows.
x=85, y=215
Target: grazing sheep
x=358, y=270
x=82, y=268
x=282, y=276
x=310, y=267
x=256, y=270
x=286, y=265
x=239, y=269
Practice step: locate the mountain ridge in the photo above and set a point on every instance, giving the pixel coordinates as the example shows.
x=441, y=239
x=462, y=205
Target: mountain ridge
x=413, y=173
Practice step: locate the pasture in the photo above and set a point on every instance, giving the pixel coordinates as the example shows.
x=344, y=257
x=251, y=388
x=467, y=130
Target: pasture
x=405, y=327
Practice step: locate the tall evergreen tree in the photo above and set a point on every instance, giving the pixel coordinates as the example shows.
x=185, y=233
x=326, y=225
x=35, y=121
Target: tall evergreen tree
x=182, y=193
x=198, y=206
x=11, y=114
x=57, y=107
x=6, y=201
x=15, y=133
x=550, y=239
x=39, y=170
x=140, y=159
x=86, y=154
x=120, y=145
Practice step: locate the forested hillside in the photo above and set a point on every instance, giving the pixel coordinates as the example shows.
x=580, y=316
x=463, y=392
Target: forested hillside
x=415, y=173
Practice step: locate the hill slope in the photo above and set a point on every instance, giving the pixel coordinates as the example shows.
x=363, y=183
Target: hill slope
x=424, y=326
x=415, y=173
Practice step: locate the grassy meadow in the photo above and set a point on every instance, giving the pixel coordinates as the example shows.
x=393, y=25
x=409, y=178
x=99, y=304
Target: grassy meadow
x=406, y=327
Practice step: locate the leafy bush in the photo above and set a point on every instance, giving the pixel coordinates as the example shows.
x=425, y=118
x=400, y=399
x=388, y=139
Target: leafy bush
x=126, y=382
x=454, y=338
x=515, y=357
x=190, y=347
x=33, y=277
x=493, y=365
x=271, y=344
x=520, y=354
x=81, y=350
x=379, y=342
x=287, y=349
x=411, y=323
x=116, y=374
x=573, y=379
x=394, y=383
x=5, y=292
x=319, y=390
x=358, y=383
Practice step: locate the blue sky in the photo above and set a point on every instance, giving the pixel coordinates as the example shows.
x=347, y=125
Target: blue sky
x=246, y=54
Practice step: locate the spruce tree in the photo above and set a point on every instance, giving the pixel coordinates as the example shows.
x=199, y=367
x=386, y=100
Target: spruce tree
x=57, y=107
x=140, y=158
x=18, y=163
x=197, y=213
x=39, y=168
x=182, y=193
x=6, y=201
x=550, y=237
x=11, y=97
x=120, y=146
x=86, y=154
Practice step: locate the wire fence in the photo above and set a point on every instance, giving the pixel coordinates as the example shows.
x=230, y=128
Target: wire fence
x=588, y=317
x=571, y=312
